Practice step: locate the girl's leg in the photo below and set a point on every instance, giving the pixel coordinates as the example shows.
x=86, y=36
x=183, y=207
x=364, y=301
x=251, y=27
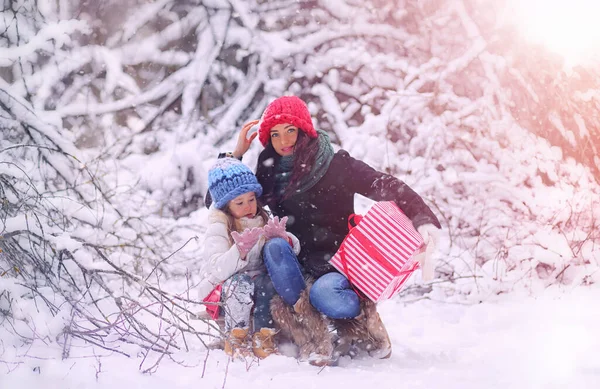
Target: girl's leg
x=284, y=269
x=333, y=296
x=263, y=338
x=237, y=298
x=263, y=293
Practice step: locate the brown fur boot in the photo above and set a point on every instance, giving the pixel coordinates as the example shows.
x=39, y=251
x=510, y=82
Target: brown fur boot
x=366, y=331
x=263, y=342
x=306, y=327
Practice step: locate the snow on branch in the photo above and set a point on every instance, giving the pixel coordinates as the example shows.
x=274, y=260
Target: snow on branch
x=48, y=38
x=80, y=271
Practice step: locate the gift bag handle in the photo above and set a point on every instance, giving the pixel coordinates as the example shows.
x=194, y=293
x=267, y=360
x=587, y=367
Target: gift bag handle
x=353, y=221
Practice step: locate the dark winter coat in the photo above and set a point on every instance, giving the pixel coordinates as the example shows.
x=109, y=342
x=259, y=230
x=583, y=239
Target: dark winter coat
x=319, y=216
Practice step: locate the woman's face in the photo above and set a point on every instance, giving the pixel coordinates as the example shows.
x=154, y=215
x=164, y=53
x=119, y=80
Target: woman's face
x=283, y=138
x=243, y=206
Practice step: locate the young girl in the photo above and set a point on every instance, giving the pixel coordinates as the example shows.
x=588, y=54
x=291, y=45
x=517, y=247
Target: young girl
x=239, y=233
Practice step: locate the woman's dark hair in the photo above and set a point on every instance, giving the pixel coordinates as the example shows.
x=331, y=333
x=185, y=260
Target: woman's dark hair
x=305, y=153
x=267, y=160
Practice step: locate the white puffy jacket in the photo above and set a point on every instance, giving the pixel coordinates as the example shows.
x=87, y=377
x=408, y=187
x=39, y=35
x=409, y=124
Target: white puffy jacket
x=221, y=256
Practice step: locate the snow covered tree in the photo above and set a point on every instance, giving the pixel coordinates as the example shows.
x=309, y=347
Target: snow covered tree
x=79, y=261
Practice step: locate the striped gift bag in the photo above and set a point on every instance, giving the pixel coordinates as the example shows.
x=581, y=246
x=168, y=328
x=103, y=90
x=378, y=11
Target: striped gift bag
x=378, y=255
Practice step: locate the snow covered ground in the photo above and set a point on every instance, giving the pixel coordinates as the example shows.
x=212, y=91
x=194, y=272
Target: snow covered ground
x=550, y=341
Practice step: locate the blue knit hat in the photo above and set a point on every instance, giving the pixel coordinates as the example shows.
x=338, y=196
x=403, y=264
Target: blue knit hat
x=229, y=178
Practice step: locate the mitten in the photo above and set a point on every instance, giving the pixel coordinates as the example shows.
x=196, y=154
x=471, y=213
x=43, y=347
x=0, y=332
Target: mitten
x=275, y=228
x=247, y=239
x=430, y=234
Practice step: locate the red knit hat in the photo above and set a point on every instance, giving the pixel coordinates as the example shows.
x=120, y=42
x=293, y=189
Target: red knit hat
x=286, y=109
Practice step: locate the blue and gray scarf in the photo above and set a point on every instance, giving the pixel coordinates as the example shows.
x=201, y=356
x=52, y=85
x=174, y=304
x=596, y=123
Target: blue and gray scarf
x=283, y=170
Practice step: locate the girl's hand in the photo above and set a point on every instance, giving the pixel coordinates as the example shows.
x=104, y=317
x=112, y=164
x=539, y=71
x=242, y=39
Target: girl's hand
x=275, y=228
x=246, y=240
x=243, y=143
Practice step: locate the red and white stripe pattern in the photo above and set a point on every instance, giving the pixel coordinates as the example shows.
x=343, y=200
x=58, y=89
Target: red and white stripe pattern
x=378, y=254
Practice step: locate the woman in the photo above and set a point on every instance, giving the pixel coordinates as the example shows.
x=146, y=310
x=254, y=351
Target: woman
x=304, y=179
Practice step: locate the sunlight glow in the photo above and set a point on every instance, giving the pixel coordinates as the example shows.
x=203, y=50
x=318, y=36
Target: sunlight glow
x=567, y=27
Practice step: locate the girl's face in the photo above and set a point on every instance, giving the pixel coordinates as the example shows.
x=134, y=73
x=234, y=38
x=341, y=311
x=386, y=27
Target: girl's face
x=283, y=138
x=243, y=206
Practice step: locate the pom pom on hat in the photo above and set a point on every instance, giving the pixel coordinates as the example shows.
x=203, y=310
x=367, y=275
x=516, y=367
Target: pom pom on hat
x=228, y=178
x=286, y=109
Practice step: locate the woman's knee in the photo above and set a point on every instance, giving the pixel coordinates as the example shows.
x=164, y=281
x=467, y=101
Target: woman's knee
x=328, y=286
x=333, y=281
x=332, y=295
x=276, y=246
x=279, y=258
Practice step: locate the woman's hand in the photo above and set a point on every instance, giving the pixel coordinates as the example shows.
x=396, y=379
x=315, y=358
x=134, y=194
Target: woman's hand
x=430, y=234
x=243, y=143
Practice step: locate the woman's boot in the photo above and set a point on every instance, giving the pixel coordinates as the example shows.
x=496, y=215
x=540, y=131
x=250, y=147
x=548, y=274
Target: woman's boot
x=307, y=328
x=366, y=331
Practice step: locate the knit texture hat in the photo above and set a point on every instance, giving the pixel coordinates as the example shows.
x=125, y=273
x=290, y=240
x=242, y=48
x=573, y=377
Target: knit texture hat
x=229, y=178
x=286, y=109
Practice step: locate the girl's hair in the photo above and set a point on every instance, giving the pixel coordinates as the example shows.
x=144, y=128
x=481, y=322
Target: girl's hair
x=260, y=211
x=305, y=153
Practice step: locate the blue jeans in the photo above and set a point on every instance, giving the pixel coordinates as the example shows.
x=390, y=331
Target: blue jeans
x=284, y=269
x=331, y=294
